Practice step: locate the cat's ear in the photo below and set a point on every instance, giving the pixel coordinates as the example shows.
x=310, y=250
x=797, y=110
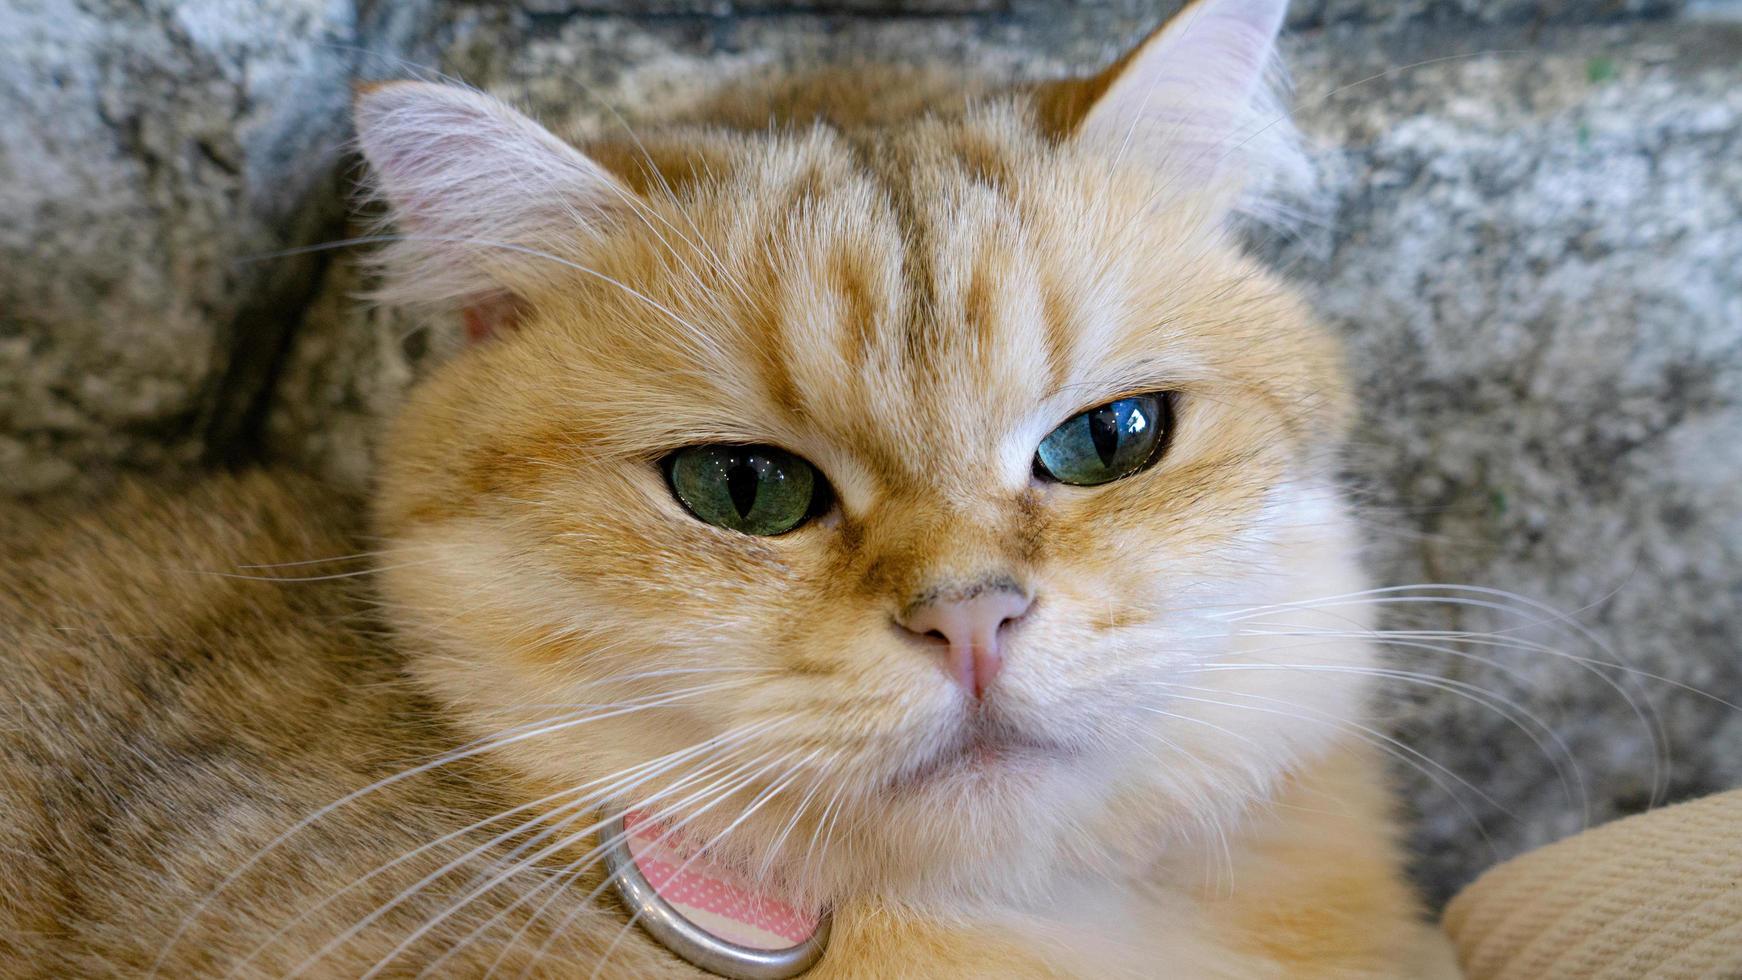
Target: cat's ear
x=488, y=205
x=1197, y=99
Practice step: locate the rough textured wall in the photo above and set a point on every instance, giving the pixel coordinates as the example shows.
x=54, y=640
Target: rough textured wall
x=1537, y=259
x=1534, y=248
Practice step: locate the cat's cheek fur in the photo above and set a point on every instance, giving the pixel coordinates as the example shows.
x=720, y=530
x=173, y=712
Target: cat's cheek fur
x=1227, y=740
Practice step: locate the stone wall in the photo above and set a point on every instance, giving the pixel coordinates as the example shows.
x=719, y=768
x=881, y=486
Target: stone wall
x=1530, y=233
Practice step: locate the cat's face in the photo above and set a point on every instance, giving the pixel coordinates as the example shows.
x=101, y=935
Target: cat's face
x=909, y=314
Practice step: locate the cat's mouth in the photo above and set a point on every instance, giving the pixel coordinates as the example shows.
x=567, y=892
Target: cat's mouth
x=982, y=751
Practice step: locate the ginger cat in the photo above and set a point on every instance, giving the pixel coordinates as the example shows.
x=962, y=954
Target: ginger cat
x=874, y=477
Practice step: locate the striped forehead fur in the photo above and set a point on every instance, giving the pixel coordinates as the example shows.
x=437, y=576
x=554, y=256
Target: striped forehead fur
x=476, y=188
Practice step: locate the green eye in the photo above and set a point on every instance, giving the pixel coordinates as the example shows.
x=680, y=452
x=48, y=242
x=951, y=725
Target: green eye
x=1106, y=443
x=753, y=489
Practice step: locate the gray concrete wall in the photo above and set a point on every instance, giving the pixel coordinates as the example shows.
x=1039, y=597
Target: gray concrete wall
x=1529, y=230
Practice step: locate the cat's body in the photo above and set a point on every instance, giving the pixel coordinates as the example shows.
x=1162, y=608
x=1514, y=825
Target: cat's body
x=908, y=305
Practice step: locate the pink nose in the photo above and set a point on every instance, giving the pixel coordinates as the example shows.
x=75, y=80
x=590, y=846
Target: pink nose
x=972, y=628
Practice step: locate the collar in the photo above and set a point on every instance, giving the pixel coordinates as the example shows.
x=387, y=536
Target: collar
x=704, y=912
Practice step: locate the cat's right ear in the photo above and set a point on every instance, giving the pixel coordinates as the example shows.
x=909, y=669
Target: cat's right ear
x=489, y=205
x=1198, y=99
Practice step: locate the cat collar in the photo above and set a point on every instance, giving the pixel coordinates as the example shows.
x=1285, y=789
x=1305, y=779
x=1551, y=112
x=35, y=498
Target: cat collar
x=705, y=913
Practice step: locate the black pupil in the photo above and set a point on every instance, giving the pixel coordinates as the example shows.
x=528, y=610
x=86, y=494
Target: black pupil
x=741, y=483
x=1104, y=431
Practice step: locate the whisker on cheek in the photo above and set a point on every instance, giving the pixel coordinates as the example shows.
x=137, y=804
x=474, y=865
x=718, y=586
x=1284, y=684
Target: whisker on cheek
x=1559, y=755
x=733, y=784
x=1392, y=746
x=559, y=881
x=529, y=853
x=473, y=750
x=761, y=800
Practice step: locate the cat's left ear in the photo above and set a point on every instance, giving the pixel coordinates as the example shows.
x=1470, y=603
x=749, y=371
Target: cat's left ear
x=489, y=205
x=1196, y=100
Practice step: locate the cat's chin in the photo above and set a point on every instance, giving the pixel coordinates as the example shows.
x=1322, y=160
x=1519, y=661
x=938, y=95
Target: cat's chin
x=986, y=817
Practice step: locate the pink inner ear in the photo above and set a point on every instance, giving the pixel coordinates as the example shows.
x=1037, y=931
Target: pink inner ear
x=490, y=316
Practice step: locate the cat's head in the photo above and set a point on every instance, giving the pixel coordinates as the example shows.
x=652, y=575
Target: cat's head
x=877, y=492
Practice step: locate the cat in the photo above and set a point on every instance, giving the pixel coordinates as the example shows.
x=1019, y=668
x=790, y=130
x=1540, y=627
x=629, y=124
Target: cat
x=869, y=476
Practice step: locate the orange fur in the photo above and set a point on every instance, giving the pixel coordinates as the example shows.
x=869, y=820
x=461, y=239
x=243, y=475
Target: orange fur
x=910, y=298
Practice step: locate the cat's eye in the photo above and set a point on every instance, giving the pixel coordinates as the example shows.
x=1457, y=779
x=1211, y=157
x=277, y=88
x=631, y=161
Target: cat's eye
x=753, y=489
x=1103, y=444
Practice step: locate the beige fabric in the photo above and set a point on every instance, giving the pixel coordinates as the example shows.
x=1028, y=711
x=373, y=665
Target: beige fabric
x=1657, y=895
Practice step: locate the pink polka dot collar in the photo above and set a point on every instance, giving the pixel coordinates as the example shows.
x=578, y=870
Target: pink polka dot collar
x=706, y=913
